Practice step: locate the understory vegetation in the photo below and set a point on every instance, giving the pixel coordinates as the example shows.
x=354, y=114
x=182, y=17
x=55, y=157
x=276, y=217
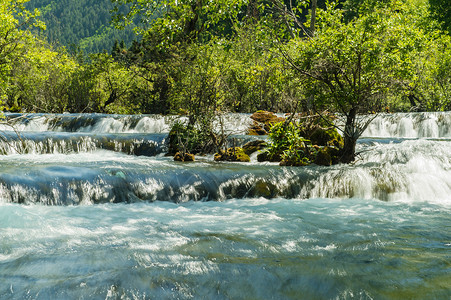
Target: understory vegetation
x=204, y=58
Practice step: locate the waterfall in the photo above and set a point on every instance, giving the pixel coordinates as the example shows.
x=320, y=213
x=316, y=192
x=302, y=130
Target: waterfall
x=405, y=156
x=410, y=125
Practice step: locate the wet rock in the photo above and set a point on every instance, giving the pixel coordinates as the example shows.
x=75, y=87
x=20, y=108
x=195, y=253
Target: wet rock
x=263, y=120
x=327, y=156
x=323, y=158
x=236, y=154
x=326, y=137
x=266, y=156
x=254, y=146
x=183, y=156
x=263, y=188
x=257, y=129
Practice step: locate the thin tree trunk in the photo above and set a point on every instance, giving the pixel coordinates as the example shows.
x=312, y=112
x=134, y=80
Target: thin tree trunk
x=313, y=17
x=350, y=138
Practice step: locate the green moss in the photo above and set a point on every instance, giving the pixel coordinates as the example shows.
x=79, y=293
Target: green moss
x=232, y=154
x=183, y=157
x=323, y=158
x=268, y=156
x=326, y=137
x=254, y=146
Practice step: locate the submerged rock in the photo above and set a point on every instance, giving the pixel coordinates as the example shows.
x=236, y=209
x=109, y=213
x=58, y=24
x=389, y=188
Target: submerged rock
x=183, y=157
x=232, y=154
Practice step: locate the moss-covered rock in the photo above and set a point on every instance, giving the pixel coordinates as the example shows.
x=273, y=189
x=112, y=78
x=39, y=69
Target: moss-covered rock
x=263, y=121
x=184, y=157
x=323, y=158
x=267, y=156
x=236, y=154
x=326, y=137
x=327, y=156
x=254, y=146
x=263, y=116
x=294, y=163
x=257, y=129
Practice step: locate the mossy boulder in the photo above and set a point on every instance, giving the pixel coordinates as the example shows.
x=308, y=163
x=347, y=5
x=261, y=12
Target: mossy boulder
x=263, y=121
x=294, y=163
x=326, y=137
x=254, y=146
x=257, y=129
x=184, y=157
x=236, y=154
x=327, y=156
x=271, y=157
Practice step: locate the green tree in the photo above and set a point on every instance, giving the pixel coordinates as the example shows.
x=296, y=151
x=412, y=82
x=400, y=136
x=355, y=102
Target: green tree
x=441, y=11
x=352, y=66
x=15, y=23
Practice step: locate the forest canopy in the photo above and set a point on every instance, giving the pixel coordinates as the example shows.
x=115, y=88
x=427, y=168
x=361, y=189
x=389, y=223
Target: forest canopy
x=199, y=57
x=80, y=24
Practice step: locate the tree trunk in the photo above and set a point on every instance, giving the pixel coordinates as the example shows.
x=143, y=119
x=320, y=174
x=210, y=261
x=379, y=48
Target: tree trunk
x=350, y=138
x=313, y=17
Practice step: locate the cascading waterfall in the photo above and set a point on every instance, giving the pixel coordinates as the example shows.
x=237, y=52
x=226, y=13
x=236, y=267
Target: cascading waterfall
x=387, y=168
x=91, y=208
x=410, y=125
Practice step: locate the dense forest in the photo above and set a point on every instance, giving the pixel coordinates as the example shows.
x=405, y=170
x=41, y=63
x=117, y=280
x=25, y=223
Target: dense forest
x=80, y=24
x=199, y=58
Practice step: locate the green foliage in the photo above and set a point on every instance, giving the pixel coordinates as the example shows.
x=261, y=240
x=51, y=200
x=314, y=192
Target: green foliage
x=288, y=145
x=300, y=143
x=41, y=79
x=189, y=138
x=15, y=23
x=441, y=11
x=81, y=23
x=353, y=67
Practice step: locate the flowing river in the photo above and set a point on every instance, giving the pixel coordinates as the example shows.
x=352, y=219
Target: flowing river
x=90, y=208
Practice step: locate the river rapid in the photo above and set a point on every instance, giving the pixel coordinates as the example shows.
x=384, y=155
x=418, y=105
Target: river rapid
x=90, y=208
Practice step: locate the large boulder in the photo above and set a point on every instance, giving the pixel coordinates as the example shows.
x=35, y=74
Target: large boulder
x=263, y=120
x=236, y=154
x=326, y=137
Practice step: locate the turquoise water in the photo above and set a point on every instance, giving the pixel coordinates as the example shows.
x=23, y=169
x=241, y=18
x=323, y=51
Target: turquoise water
x=238, y=249
x=82, y=219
